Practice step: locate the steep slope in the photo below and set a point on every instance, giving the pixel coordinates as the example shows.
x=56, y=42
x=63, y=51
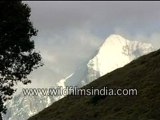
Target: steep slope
x=142, y=74
x=114, y=53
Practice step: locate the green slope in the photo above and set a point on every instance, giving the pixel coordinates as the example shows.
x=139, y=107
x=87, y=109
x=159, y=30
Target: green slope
x=142, y=74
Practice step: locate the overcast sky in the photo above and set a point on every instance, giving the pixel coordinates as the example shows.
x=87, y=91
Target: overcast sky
x=70, y=32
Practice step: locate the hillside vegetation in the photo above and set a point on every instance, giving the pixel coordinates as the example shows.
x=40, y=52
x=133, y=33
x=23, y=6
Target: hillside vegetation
x=142, y=74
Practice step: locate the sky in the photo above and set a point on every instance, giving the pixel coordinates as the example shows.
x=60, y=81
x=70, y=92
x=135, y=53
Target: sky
x=71, y=32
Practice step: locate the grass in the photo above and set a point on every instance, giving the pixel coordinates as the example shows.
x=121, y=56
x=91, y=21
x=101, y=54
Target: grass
x=142, y=74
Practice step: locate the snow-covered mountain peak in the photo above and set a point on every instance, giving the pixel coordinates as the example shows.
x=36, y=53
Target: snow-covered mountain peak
x=113, y=45
x=117, y=51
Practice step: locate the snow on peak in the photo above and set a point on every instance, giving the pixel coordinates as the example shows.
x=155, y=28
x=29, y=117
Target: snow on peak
x=116, y=52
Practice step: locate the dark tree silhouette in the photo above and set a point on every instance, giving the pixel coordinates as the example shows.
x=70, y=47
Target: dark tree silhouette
x=17, y=55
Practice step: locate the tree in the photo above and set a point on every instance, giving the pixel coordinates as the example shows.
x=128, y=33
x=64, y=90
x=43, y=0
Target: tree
x=18, y=57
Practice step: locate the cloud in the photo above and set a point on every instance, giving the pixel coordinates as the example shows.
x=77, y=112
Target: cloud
x=63, y=15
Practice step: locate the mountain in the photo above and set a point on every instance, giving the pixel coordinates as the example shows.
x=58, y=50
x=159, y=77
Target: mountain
x=115, y=52
x=141, y=74
x=22, y=107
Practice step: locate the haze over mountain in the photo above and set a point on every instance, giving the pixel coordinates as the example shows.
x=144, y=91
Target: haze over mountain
x=114, y=53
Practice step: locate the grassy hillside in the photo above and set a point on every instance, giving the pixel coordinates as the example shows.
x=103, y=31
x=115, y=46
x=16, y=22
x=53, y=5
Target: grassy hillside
x=142, y=74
